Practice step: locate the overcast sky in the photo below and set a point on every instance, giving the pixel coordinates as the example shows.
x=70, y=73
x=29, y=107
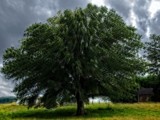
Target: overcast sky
x=17, y=15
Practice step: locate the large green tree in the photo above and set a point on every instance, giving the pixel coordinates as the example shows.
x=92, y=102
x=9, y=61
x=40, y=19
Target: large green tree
x=76, y=54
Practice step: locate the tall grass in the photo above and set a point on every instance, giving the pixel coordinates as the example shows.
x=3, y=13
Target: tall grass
x=137, y=111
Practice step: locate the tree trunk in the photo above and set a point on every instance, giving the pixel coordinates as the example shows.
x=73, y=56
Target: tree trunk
x=80, y=104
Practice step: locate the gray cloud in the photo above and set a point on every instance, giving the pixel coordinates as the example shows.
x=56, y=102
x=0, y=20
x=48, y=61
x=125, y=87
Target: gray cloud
x=71, y=4
x=154, y=23
x=142, y=15
x=16, y=15
x=138, y=7
x=6, y=87
x=123, y=7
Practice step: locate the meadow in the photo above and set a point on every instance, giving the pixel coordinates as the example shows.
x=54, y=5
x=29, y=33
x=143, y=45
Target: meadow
x=119, y=111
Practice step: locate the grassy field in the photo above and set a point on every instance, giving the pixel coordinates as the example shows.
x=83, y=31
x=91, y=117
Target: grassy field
x=138, y=111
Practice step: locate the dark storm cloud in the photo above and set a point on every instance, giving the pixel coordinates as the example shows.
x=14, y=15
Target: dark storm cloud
x=123, y=7
x=17, y=15
x=140, y=9
x=71, y=4
x=154, y=24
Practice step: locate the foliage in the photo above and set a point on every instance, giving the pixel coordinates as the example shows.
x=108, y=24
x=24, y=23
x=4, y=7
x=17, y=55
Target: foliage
x=76, y=54
x=153, y=54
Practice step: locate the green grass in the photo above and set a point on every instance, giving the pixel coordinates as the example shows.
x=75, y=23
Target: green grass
x=138, y=111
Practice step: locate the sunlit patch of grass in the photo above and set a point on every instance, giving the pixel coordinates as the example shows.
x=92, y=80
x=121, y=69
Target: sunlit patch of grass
x=136, y=111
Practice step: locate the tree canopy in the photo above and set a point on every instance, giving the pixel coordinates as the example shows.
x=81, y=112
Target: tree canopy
x=74, y=55
x=153, y=54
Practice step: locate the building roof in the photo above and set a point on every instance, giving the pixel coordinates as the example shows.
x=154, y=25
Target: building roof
x=145, y=91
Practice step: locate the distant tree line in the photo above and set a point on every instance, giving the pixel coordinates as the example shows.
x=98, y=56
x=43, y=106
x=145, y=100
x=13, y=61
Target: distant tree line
x=7, y=99
x=152, y=71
